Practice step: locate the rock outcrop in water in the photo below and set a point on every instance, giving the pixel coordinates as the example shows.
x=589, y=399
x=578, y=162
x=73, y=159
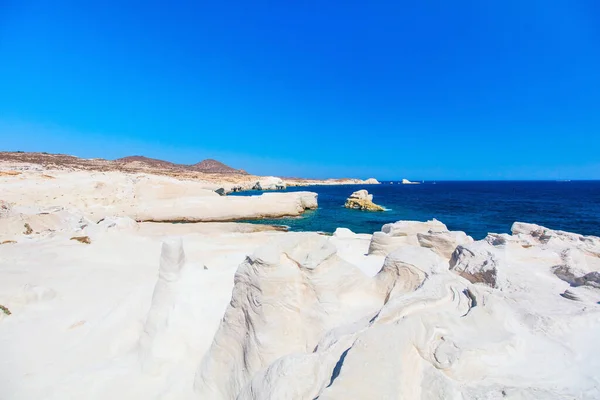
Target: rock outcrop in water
x=362, y=200
x=407, y=182
x=269, y=183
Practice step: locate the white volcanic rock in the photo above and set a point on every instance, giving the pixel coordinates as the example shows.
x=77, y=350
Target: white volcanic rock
x=329, y=182
x=309, y=316
x=147, y=197
x=476, y=262
x=294, y=281
x=229, y=208
x=407, y=182
x=344, y=233
x=540, y=235
x=32, y=222
x=408, y=228
x=270, y=183
x=443, y=243
x=425, y=333
x=579, y=263
x=362, y=200
x=402, y=233
x=157, y=347
x=119, y=223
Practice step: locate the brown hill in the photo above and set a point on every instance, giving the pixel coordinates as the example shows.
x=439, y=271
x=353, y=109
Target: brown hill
x=129, y=164
x=150, y=162
x=215, y=167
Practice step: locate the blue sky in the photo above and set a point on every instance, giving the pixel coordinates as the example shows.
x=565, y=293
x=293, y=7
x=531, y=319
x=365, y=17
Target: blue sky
x=417, y=89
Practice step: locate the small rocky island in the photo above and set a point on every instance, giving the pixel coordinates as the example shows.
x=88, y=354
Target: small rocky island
x=362, y=200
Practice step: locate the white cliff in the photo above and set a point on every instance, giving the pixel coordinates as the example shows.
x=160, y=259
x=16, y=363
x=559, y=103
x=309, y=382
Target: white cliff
x=145, y=197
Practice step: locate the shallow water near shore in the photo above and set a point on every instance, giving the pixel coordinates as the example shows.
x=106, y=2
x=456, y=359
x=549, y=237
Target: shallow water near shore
x=474, y=207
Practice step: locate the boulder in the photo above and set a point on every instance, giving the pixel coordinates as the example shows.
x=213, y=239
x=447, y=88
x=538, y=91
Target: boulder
x=344, y=233
x=362, y=200
x=443, y=243
x=269, y=183
x=476, y=263
x=298, y=279
x=407, y=182
x=401, y=233
x=408, y=228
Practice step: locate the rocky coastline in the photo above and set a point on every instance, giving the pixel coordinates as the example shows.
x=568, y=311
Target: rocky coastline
x=132, y=306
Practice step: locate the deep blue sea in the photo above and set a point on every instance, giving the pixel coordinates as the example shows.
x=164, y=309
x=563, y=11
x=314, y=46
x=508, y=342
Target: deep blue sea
x=474, y=207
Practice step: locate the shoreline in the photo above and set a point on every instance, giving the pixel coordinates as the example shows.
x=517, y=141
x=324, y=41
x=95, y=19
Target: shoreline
x=232, y=310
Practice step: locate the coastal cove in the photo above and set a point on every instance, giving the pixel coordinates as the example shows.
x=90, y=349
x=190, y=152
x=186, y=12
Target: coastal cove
x=475, y=207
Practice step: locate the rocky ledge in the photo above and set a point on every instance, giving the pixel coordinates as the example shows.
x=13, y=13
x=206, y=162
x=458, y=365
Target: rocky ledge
x=362, y=200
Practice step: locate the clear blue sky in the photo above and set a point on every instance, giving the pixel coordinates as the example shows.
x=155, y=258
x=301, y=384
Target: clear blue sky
x=418, y=89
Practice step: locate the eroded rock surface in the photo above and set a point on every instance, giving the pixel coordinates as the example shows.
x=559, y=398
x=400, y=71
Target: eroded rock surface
x=481, y=324
x=362, y=200
x=274, y=315
x=147, y=197
x=431, y=234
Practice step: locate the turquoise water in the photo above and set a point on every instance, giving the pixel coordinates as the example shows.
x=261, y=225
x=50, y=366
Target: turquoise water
x=474, y=207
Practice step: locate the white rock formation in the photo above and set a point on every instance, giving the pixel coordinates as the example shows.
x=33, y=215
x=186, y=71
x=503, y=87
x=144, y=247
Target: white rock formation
x=362, y=200
x=156, y=346
x=310, y=316
x=147, y=197
x=415, y=330
x=443, y=242
x=32, y=221
x=407, y=182
x=432, y=234
x=279, y=283
x=343, y=233
x=270, y=183
x=477, y=262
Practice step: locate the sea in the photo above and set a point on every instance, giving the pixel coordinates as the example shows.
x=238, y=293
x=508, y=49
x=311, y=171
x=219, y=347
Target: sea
x=473, y=207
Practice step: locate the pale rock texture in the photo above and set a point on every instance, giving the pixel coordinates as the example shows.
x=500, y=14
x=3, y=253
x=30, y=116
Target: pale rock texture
x=146, y=197
x=290, y=282
x=434, y=234
x=362, y=200
x=120, y=223
x=156, y=345
x=407, y=182
x=250, y=314
x=343, y=233
x=34, y=222
x=476, y=262
x=417, y=329
x=270, y=183
x=443, y=243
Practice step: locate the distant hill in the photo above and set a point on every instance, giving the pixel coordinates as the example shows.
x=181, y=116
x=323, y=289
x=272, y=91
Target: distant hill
x=207, y=166
x=214, y=166
x=130, y=163
x=151, y=162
